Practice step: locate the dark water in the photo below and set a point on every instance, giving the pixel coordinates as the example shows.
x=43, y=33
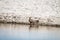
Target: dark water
x=22, y=32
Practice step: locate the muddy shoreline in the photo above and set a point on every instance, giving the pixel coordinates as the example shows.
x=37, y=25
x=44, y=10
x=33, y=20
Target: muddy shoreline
x=40, y=24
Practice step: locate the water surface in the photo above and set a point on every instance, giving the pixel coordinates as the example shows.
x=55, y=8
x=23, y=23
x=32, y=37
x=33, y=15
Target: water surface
x=22, y=32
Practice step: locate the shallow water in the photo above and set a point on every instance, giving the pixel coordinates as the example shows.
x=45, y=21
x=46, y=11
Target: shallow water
x=22, y=32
